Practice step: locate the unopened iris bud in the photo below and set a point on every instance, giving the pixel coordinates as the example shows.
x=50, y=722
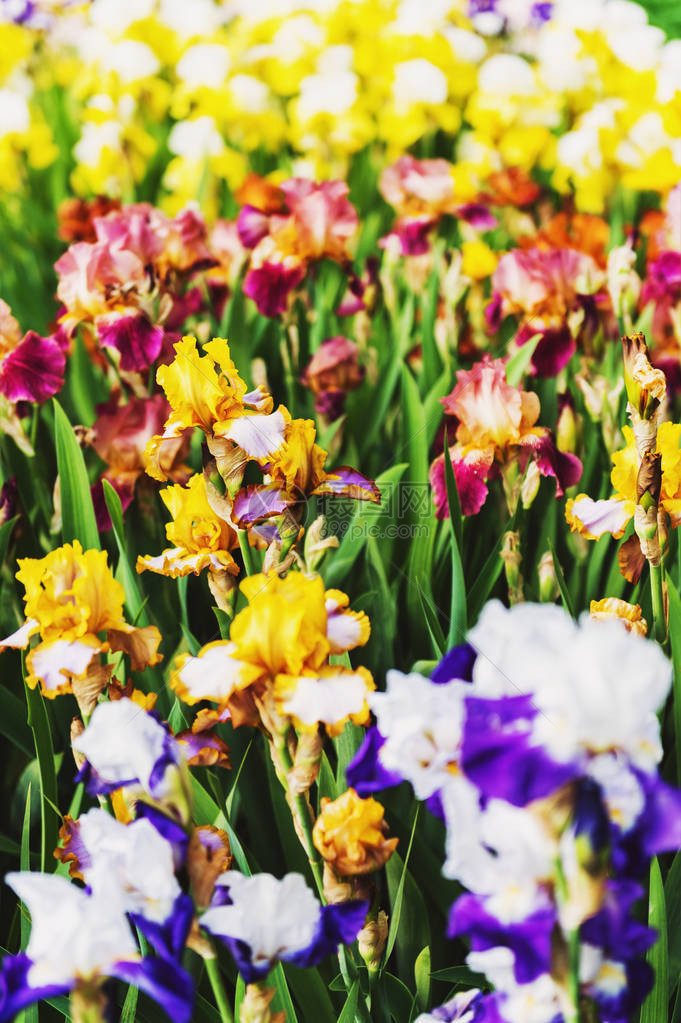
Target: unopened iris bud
x=317, y=544
x=372, y=940
x=512, y=559
x=624, y=284
x=566, y=427
x=529, y=488
x=646, y=386
x=548, y=584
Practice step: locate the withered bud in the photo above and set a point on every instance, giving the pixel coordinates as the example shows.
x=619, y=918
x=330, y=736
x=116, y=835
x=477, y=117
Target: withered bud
x=306, y=762
x=255, y=1007
x=87, y=687
x=88, y=1003
x=372, y=940
x=208, y=856
x=646, y=386
x=223, y=587
x=649, y=480
x=77, y=728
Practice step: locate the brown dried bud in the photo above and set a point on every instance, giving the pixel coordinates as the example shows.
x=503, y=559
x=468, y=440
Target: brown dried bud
x=649, y=480
x=646, y=386
x=306, y=762
x=77, y=728
x=631, y=559
x=255, y=1007
x=208, y=856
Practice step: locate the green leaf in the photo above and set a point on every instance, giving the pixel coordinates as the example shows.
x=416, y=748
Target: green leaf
x=349, y=1012
x=655, y=1007
x=78, y=514
x=5, y=533
x=396, y=900
x=42, y=739
x=400, y=998
x=25, y=864
x=336, y=568
x=675, y=637
x=133, y=597
x=437, y=636
x=487, y=577
x=311, y=993
x=282, y=998
x=520, y=360
x=562, y=585
x=129, y=1011
x=239, y=995
x=458, y=615
x=422, y=977
x=672, y=898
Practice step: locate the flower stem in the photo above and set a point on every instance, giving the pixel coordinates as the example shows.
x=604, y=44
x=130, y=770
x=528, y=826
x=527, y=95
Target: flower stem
x=215, y=979
x=246, y=552
x=300, y=808
x=656, y=581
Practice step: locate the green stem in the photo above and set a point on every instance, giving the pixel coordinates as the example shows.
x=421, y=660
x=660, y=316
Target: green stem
x=300, y=807
x=572, y=1016
x=660, y=625
x=246, y=553
x=215, y=979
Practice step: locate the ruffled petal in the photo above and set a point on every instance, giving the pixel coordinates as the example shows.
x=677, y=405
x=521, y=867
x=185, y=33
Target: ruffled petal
x=258, y=435
x=592, y=519
x=214, y=674
x=330, y=698
x=55, y=664
x=347, y=482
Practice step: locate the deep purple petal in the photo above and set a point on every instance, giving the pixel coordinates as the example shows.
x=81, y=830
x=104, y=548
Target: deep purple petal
x=529, y=939
x=498, y=755
x=614, y=928
x=15, y=991
x=34, y=370
x=167, y=983
x=138, y=341
x=365, y=772
x=339, y=924
x=457, y=664
x=168, y=938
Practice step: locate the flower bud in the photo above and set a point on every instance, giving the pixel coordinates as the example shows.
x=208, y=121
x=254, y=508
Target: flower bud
x=317, y=544
x=512, y=559
x=646, y=386
x=372, y=940
x=529, y=488
x=548, y=584
x=255, y=1007
x=624, y=284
